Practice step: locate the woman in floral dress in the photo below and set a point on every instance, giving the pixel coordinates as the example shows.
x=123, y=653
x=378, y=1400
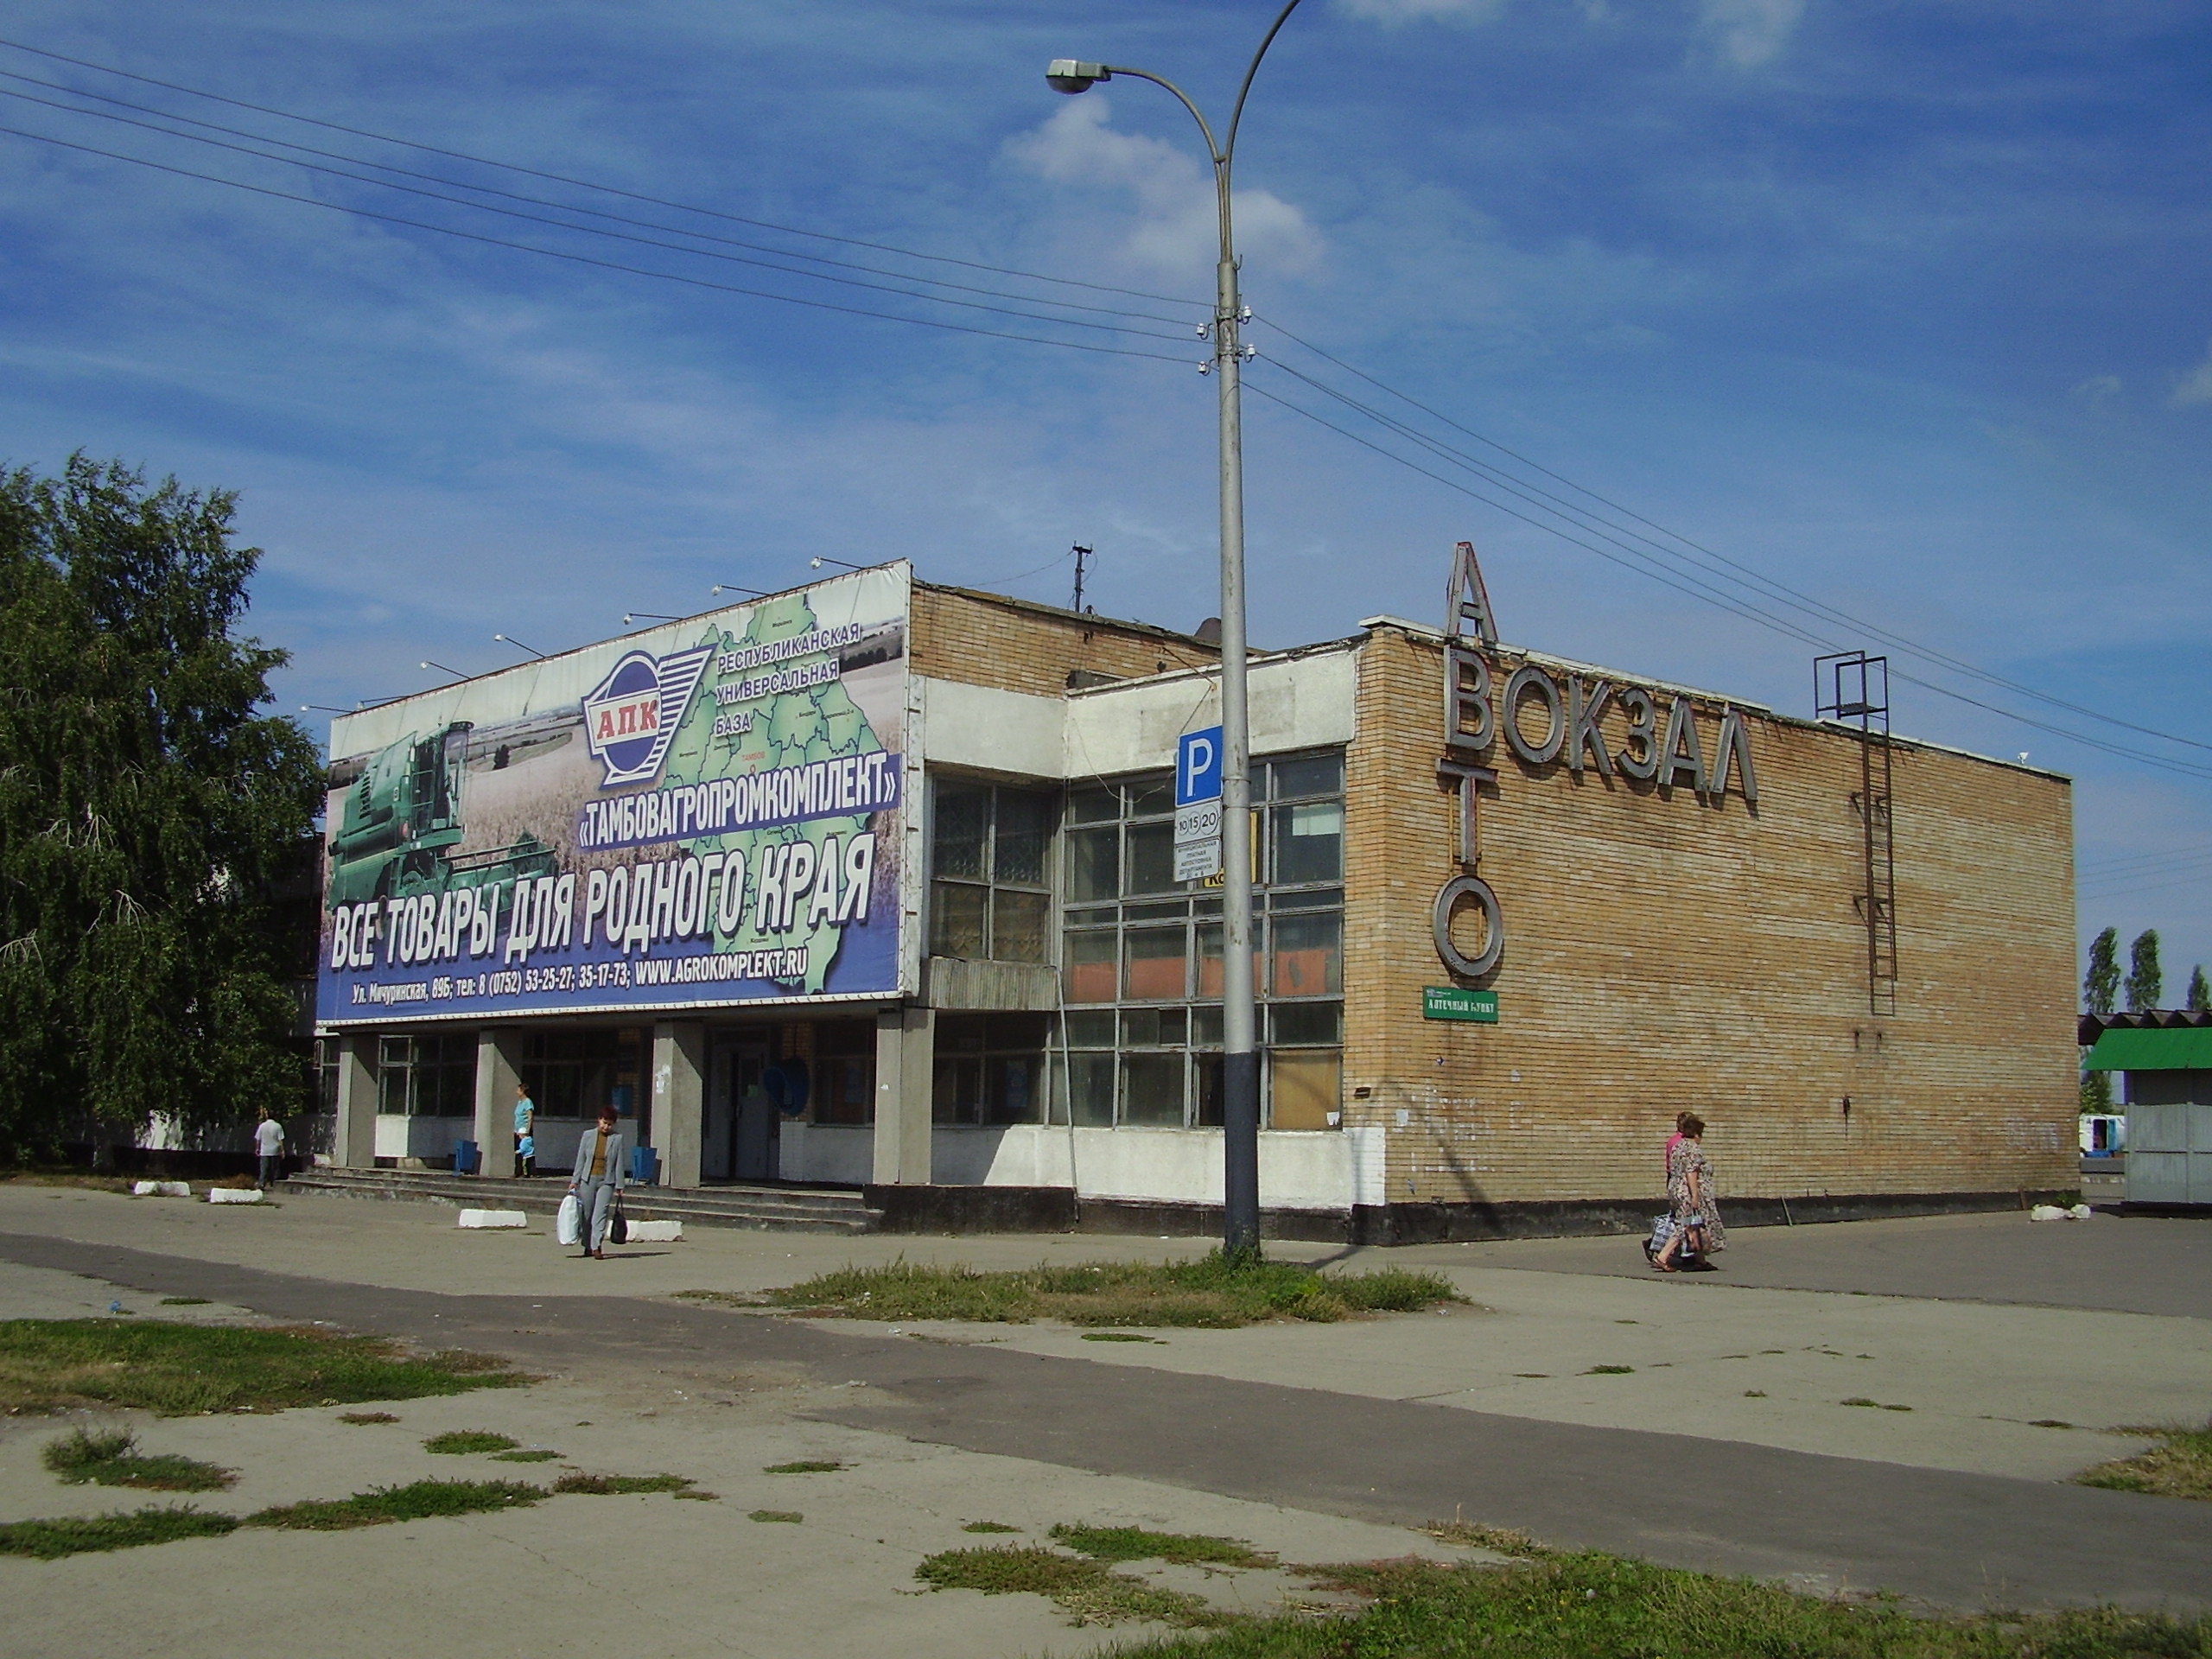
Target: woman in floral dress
x=1691, y=1198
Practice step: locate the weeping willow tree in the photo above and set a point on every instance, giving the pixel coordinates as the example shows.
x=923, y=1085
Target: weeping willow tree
x=149, y=814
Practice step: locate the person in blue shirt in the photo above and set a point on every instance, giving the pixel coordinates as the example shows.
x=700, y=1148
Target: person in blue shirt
x=525, y=1133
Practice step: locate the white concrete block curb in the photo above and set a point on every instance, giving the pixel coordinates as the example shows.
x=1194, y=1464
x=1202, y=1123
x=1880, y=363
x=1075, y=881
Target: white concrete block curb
x=234, y=1195
x=161, y=1189
x=656, y=1232
x=493, y=1219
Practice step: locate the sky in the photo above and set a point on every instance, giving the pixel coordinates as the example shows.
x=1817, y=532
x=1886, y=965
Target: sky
x=1898, y=313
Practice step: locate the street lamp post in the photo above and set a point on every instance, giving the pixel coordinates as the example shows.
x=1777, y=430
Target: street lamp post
x=1240, y=1047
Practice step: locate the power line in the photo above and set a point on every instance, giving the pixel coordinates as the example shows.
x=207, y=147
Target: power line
x=586, y=259
x=1696, y=589
x=1792, y=597
x=593, y=230
x=507, y=195
x=585, y=184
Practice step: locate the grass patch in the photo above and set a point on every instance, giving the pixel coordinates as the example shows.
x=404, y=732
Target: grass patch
x=989, y=1526
x=68, y=1178
x=1212, y=1291
x=2180, y=1466
x=1502, y=1541
x=459, y=1442
x=1135, y=1544
x=359, y=1418
x=184, y=1301
x=1088, y=1591
x=623, y=1485
x=788, y=1517
x=814, y=1466
x=1611, y=1370
x=174, y=1370
x=50, y=1540
x=1860, y=1400
x=1592, y=1606
x=527, y=1457
x=1754, y=1393
x=1117, y=1336
x=422, y=1500
x=111, y=1458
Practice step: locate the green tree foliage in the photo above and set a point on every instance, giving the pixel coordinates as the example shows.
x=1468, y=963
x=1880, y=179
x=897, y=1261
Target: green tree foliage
x=2200, y=993
x=147, y=811
x=2145, y=983
x=2096, y=1091
x=2101, y=985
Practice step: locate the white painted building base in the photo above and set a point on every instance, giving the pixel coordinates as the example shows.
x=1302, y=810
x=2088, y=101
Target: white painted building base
x=1315, y=1170
x=399, y=1136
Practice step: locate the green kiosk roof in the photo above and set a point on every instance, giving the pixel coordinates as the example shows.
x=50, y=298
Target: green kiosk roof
x=2187, y=1048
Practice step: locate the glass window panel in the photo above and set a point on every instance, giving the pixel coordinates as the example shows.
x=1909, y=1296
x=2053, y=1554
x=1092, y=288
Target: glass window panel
x=1018, y=1033
x=1309, y=842
x=1318, y=774
x=1171, y=1025
x=395, y=1051
x=957, y=914
x=1148, y=796
x=1152, y=859
x=1151, y=1090
x=1094, y=806
x=958, y=1094
x=957, y=830
x=1019, y=921
x=1010, y=1088
x=1205, y=1027
x=1025, y=826
x=1156, y=970
x=1307, y=1084
x=1205, y=1082
x=1308, y=957
x=1089, y=968
x=1300, y=1024
x=846, y=1089
x=1306, y=899
x=392, y=1078
x=1094, y=864
x=1090, y=1090
x=1139, y=1027
x=1173, y=910
x=1087, y=1030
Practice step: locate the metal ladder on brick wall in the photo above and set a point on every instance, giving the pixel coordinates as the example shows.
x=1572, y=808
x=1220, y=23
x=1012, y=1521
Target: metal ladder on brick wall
x=1853, y=688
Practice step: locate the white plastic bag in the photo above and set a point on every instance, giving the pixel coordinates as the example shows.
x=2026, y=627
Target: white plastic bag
x=568, y=1226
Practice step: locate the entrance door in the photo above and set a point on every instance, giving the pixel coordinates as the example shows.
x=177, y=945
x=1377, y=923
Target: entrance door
x=739, y=1142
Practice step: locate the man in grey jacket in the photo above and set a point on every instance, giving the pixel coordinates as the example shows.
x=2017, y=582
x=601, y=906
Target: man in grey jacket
x=596, y=1178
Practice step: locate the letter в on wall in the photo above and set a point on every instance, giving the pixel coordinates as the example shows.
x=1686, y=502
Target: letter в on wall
x=1639, y=755
x=1468, y=723
x=1529, y=678
x=1583, y=711
x=1681, y=756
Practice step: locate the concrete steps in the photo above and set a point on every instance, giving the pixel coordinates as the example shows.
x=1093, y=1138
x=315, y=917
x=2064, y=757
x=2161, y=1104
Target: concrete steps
x=777, y=1208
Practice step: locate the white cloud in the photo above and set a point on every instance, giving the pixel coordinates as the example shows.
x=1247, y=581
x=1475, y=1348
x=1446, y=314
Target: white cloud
x=1748, y=32
x=2098, y=390
x=1394, y=12
x=2196, y=387
x=1176, y=228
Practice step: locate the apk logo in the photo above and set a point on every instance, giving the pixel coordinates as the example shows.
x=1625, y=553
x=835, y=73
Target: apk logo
x=631, y=717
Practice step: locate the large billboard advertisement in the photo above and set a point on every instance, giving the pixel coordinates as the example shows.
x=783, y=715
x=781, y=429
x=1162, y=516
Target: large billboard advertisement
x=708, y=813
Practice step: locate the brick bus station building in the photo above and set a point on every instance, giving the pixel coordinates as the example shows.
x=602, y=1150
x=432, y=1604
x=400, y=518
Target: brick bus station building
x=871, y=886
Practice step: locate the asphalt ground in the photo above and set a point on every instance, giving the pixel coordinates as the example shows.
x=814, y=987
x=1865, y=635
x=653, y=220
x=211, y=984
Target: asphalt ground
x=1949, y=1537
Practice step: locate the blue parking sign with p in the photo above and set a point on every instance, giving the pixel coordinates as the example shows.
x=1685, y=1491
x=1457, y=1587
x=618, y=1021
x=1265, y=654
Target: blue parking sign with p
x=1198, y=767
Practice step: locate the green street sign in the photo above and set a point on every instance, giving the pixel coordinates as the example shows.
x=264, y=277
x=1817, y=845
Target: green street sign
x=1453, y=1002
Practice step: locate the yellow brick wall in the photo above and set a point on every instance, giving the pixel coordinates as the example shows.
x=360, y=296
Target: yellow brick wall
x=1663, y=954
x=1012, y=647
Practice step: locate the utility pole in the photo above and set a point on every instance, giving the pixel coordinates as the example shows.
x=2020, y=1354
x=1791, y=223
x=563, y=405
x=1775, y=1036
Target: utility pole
x=1082, y=554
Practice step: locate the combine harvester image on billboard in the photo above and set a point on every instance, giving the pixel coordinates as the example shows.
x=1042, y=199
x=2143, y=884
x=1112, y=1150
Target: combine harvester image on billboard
x=707, y=814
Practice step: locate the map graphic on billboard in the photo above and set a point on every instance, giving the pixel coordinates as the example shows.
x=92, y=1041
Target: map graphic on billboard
x=706, y=814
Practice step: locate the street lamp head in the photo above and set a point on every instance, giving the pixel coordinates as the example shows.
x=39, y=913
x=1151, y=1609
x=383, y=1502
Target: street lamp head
x=1066, y=75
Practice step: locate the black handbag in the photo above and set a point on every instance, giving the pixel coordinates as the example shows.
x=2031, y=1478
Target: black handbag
x=618, y=1229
